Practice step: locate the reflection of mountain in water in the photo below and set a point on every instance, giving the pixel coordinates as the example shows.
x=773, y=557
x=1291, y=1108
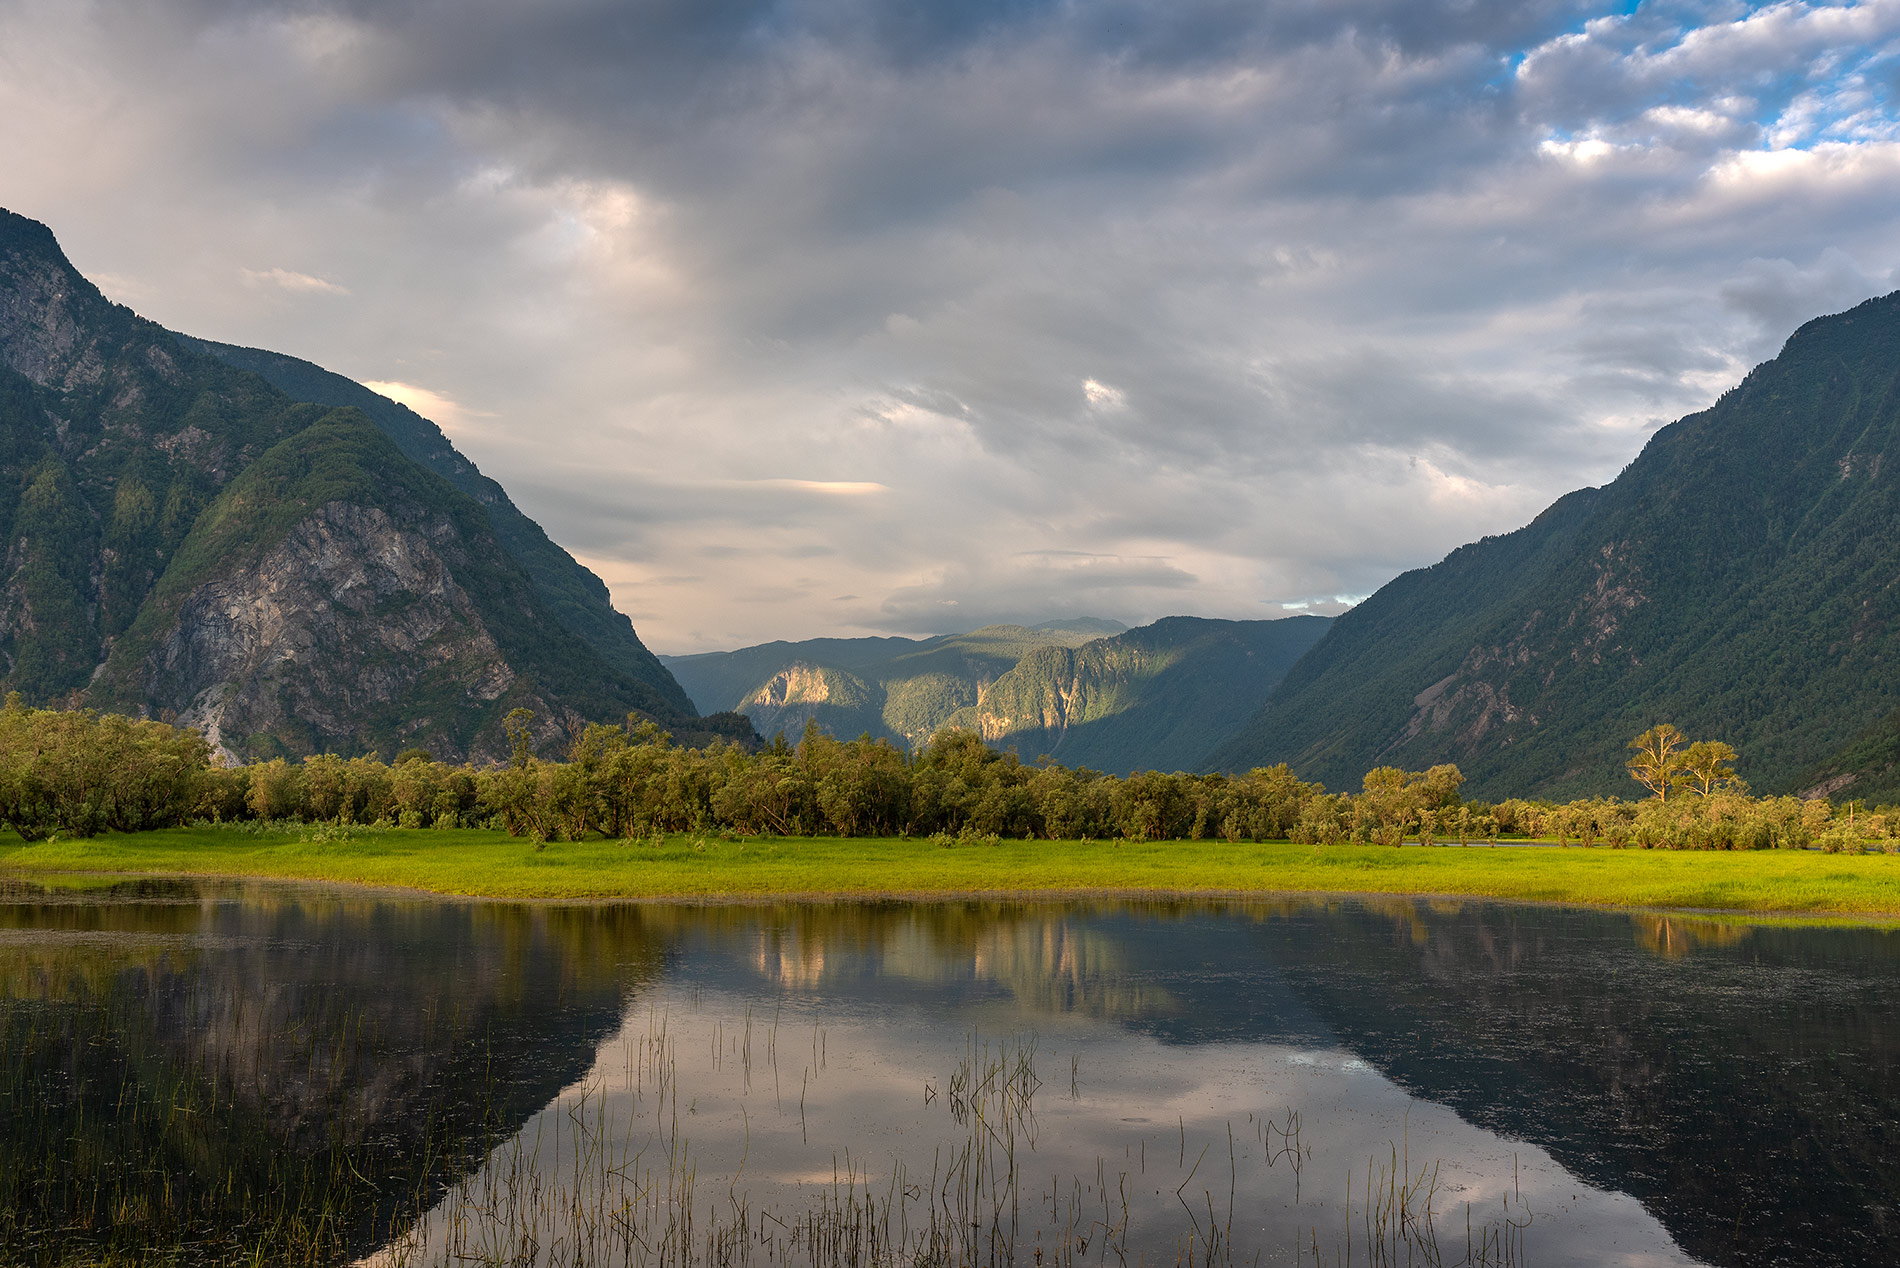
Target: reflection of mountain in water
x=1741, y=1082
x=1744, y=1089
x=1112, y=961
x=314, y=1050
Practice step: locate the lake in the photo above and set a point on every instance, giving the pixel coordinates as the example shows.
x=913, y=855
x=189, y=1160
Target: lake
x=212, y=1072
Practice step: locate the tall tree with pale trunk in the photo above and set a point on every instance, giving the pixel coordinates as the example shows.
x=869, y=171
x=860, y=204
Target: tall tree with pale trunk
x=1658, y=761
x=1709, y=765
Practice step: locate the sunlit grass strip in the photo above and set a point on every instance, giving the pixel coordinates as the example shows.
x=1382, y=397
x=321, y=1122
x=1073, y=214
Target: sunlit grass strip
x=494, y=865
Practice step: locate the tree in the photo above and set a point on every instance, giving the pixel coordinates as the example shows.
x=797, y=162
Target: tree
x=1709, y=765
x=519, y=726
x=1437, y=787
x=1657, y=764
x=1386, y=807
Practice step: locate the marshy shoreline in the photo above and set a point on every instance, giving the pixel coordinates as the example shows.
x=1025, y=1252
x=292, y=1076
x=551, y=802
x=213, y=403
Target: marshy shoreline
x=695, y=869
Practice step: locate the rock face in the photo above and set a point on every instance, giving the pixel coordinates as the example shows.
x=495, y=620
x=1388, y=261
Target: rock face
x=345, y=585
x=801, y=693
x=177, y=536
x=1740, y=579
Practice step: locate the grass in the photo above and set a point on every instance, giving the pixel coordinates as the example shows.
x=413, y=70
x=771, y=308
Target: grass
x=493, y=865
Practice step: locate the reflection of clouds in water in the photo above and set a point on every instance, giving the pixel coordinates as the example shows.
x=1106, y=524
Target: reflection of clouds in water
x=773, y=1104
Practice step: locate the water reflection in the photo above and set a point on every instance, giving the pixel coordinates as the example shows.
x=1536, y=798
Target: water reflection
x=1652, y=1089
x=238, y=1068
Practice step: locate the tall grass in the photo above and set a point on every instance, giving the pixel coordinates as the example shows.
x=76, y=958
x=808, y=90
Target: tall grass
x=612, y=1174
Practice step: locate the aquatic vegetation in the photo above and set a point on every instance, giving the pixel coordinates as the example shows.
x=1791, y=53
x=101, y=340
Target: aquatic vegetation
x=610, y=1175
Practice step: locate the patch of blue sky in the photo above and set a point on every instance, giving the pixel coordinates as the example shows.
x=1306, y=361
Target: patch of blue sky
x=1830, y=95
x=1850, y=105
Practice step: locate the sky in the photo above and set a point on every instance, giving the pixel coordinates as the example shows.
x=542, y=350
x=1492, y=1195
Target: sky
x=824, y=317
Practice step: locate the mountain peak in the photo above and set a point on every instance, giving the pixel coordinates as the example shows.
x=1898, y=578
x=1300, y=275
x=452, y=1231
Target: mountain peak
x=49, y=314
x=25, y=236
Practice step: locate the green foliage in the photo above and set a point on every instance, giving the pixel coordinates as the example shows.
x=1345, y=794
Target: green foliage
x=53, y=536
x=921, y=705
x=1656, y=760
x=81, y=773
x=519, y=726
x=1709, y=765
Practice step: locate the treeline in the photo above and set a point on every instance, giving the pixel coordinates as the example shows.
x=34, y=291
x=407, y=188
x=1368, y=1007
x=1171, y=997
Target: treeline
x=78, y=773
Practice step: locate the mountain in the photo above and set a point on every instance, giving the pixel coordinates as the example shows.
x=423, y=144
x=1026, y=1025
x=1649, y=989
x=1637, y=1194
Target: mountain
x=573, y=596
x=1150, y=698
x=183, y=537
x=1740, y=578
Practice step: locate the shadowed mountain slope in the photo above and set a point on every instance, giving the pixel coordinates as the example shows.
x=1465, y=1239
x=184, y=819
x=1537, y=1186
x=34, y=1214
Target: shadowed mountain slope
x=1741, y=579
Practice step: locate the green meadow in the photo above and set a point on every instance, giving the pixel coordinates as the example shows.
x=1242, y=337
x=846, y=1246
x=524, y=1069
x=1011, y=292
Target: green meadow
x=477, y=863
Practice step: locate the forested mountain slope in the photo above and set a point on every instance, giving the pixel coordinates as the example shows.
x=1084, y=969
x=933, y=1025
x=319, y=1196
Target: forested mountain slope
x=181, y=537
x=1150, y=698
x=1741, y=579
x=573, y=595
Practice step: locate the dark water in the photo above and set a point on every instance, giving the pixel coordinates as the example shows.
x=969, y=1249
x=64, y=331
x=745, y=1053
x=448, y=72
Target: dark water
x=197, y=1073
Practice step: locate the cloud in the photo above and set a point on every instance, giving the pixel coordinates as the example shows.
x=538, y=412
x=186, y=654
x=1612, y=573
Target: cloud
x=760, y=302
x=285, y=279
x=829, y=488
x=434, y=406
x=1026, y=588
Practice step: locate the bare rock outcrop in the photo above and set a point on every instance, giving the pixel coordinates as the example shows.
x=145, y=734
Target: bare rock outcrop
x=350, y=614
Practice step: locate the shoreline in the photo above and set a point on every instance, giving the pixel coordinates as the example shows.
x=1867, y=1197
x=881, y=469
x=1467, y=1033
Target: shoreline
x=1756, y=887
x=822, y=898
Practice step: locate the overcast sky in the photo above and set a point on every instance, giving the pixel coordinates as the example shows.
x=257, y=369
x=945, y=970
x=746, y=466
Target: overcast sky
x=836, y=317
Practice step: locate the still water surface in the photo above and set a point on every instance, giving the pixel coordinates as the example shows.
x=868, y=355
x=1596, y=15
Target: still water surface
x=191, y=1071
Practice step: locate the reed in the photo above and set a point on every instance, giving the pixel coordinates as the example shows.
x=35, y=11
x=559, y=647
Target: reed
x=118, y=1146
x=613, y=1178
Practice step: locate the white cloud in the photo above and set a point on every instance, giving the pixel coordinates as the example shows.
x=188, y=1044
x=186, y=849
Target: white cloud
x=434, y=406
x=285, y=279
x=831, y=488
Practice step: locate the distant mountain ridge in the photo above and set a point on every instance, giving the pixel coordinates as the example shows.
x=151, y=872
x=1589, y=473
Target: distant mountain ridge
x=1157, y=697
x=1741, y=578
x=183, y=538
